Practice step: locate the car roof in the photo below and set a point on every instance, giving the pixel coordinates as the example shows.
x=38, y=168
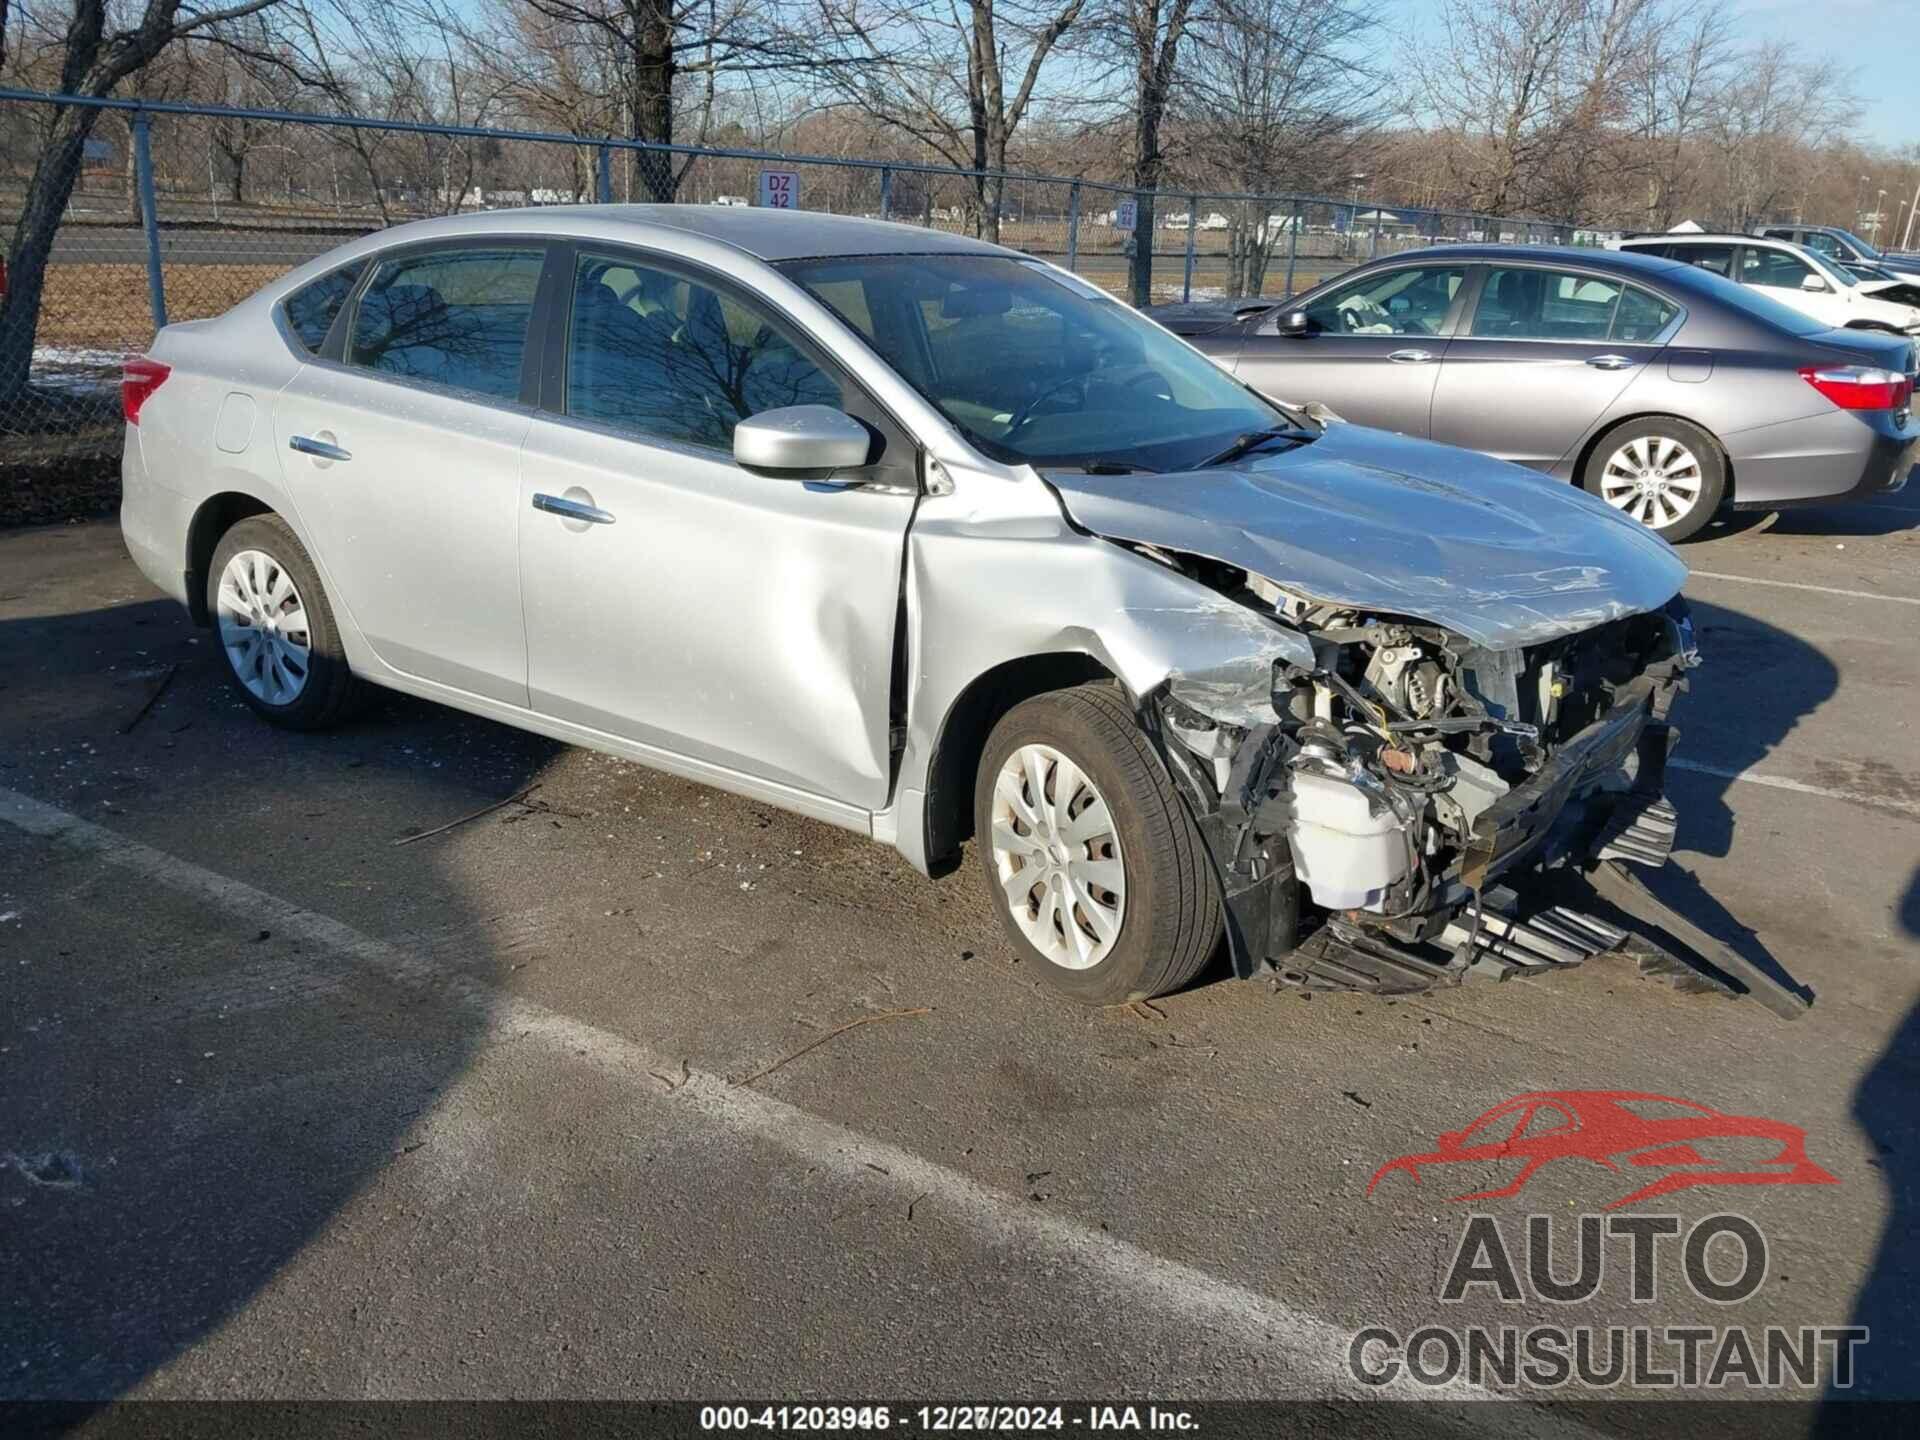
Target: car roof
x=1712, y=237
x=1582, y=255
x=770, y=235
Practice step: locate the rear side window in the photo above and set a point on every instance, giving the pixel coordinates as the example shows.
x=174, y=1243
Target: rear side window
x=1717, y=258
x=455, y=317
x=311, y=309
x=1530, y=304
x=1641, y=317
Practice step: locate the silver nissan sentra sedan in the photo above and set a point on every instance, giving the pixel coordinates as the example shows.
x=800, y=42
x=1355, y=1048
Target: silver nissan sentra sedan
x=931, y=540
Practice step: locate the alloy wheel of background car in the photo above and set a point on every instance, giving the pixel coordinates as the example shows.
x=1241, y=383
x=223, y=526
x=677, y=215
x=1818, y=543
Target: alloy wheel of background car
x=1058, y=857
x=277, y=634
x=1654, y=478
x=1100, y=783
x=263, y=627
x=1665, y=473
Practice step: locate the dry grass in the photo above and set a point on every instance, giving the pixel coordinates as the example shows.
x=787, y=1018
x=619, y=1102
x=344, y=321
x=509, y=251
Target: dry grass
x=105, y=306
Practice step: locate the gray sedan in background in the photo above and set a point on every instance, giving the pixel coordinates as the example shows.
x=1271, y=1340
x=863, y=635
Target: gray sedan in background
x=1662, y=388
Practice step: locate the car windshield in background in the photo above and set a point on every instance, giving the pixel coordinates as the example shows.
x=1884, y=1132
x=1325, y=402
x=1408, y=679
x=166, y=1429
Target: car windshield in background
x=1037, y=367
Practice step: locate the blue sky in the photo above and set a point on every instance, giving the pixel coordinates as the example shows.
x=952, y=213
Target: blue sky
x=1878, y=39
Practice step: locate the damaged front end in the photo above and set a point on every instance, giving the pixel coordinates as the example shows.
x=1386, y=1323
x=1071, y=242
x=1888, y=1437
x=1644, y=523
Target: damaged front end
x=1393, y=806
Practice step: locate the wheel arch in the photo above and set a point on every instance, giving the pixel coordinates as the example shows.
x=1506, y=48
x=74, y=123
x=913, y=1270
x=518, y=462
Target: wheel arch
x=1593, y=442
x=217, y=514
x=962, y=737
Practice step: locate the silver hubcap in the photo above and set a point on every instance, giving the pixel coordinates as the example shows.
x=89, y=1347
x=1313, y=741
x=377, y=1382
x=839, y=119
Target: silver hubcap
x=263, y=625
x=1057, y=854
x=1655, y=479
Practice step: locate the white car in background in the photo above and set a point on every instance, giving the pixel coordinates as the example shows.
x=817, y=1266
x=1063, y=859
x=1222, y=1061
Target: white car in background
x=1794, y=276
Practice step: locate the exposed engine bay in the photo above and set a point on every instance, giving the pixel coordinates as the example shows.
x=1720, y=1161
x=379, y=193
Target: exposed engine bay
x=1398, y=771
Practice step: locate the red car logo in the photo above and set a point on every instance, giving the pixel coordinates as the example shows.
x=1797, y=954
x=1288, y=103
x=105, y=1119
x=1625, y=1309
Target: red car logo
x=1624, y=1131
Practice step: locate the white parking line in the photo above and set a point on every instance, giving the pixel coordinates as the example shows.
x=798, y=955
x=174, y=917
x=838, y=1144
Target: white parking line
x=1309, y=1352
x=1797, y=585
x=1799, y=787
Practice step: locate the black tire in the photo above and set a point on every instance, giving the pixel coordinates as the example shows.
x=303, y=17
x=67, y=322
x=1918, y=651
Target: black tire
x=330, y=693
x=1172, y=920
x=1705, y=449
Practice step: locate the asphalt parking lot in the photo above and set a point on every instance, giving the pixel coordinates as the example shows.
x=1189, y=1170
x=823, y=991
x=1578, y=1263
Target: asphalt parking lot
x=289, y=1108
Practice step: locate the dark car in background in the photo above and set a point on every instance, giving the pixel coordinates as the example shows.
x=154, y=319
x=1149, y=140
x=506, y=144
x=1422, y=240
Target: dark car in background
x=1663, y=388
x=1843, y=247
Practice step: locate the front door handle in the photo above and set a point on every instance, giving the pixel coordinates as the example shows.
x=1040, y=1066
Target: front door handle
x=572, y=509
x=1609, y=362
x=319, y=449
x=1410, y=357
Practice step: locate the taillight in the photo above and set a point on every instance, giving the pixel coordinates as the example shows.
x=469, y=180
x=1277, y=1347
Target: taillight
x=139, y=380
x=1859, y=387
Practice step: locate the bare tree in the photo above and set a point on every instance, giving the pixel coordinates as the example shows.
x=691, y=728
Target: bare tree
x=1148, y=35
x=94, y=58
x=1673, y=88
x=1770, y=121
x=941, y=76
x=1279, y=95
x=653, y=45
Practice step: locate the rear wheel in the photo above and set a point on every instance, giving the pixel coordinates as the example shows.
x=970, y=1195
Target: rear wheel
x=1094, y=865
x=1665, y=473
x=275, y=627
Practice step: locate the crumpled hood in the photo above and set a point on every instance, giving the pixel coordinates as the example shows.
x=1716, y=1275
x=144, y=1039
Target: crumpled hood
x=1500, y=554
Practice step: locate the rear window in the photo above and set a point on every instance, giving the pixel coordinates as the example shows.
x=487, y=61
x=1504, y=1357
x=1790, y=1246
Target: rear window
x=311, y=309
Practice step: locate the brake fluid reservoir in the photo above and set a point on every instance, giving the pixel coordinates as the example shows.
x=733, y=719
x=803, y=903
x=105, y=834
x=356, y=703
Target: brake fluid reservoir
x=1347, y=850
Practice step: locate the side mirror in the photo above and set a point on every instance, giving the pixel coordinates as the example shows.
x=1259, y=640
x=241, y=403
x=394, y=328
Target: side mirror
x=1815, y=285
x=1294, y=323
x=801, y=442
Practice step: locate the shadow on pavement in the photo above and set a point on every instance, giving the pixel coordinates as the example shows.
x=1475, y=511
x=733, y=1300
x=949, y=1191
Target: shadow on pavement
x=1865, y=519
x=1756, y=684
x=187, y=1098
x=1888, y=1304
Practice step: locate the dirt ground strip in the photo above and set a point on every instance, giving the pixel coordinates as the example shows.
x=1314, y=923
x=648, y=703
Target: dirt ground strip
x=291, y=1108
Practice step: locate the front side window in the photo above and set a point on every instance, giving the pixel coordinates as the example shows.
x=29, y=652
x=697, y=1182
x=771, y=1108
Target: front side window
x=1820, y=243
x=455, y=317
x=311, y=309
x=1036, y=366
x=1528, y=304
x=667, y=357
x=1776, y=268
x=1413, y=301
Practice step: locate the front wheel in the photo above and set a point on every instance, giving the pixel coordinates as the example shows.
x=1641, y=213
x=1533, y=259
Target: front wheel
x=1665, y=473
x=1095, y=867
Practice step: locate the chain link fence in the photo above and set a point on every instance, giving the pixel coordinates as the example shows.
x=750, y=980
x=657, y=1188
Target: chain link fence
x=177, y=212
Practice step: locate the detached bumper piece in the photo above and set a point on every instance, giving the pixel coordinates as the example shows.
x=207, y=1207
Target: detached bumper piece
x=1343, y=956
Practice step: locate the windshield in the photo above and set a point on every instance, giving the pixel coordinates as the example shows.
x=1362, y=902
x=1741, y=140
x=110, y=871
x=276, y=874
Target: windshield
x=1038, y=367
x=1866, y=251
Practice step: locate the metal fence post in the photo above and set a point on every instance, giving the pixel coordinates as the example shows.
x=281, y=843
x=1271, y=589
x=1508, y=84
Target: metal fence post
x=1293, y=246
x=1193, y=219
x=1073, y=226
x=1373, y=247
x=886, y=192
x=149, y=218
x=603, y=175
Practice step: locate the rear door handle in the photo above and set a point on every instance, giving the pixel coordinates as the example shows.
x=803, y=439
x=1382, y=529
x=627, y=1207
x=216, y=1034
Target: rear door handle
x=572, y=509
x=1609, y=362
x=1410, y=357
x=319, y=449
